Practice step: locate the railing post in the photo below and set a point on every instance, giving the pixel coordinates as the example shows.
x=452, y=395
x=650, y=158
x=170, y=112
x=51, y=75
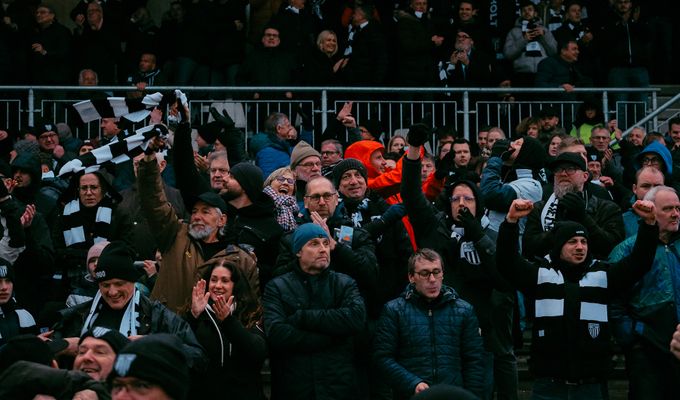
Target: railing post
x=324, y=110
x=31, y=107
x=654, y=105
x=605, y=106
x=466, y=115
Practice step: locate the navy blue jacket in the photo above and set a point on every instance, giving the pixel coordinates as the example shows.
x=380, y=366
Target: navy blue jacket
x=434, y=342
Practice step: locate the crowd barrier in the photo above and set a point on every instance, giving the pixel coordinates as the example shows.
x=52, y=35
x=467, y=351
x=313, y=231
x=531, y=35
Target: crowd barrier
x=464, y=109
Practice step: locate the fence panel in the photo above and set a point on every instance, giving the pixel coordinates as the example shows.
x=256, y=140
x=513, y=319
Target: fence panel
x=10, y=114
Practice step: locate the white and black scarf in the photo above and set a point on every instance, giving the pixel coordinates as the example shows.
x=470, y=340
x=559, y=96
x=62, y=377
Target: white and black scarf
x=549, y=213
x=76, y=230
x=115, y=152
x=128, y=324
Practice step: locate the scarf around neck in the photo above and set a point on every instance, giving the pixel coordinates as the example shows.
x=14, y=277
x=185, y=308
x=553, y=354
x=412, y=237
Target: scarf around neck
x=128, y=324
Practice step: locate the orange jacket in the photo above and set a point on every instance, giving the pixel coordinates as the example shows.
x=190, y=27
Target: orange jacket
x=388, y=183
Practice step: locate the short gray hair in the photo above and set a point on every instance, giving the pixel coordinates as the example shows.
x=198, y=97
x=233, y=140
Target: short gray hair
x=651, y=195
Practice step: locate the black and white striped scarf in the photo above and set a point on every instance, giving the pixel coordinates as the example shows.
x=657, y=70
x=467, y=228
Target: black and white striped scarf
x=115, y=152
x=77, y=230
x=128, y=324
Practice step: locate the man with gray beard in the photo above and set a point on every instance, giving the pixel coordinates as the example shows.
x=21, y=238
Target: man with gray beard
x=184, y=246
x=571, y=202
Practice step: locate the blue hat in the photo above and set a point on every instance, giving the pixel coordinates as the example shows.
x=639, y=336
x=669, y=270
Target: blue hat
x=305, y=233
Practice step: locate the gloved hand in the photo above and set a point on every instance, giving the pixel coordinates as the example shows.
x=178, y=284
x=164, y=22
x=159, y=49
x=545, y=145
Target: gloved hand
x=473, y=228
x=444, y=166
x=573, y=206
x=394, y=214
x=500, y=147
x=418, y=134
x=223, y=118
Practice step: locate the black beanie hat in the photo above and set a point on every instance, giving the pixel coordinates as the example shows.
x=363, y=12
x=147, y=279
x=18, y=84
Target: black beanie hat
x=116, y=262
x=209, y=131
x=346, y=165
x=114, y=338
x=561, y=233
x=250, y=178
x=531, y=155
x=29, y=347
x=6, y=269
x=158, y=359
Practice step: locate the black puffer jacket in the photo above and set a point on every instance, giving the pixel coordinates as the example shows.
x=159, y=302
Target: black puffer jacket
x=310, y=321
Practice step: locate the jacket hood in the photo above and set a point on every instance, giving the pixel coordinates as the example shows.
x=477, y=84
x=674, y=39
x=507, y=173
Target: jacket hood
x=362, y=151
x=31, y=165
x=531, y=155
x=446, y=194
x=660, y=150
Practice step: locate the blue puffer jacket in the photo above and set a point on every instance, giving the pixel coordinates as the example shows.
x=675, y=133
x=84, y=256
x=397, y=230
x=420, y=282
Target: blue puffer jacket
x=437, y=342
x=271, y=153
x=652, y=308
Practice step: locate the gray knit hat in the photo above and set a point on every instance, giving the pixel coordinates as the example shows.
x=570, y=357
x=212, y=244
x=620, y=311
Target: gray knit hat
x=301, y=151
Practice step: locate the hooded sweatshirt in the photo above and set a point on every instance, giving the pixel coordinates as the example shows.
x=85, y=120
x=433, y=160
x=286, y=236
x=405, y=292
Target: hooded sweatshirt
x=31, y=165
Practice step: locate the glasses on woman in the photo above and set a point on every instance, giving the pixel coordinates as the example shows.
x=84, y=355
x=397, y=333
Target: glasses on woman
x=283, y=179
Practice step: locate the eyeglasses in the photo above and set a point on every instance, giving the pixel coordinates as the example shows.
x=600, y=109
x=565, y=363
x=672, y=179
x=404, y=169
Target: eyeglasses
x=90, y=188
x=310, y=164
x=567, y=170
x=47, y=136
x=425, y=274
x=329, y=153
x=466, y=199
x=315, y=198
x=283, y=179
x=651, y=161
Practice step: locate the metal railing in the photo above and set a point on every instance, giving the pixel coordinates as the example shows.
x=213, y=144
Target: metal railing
x=395, y=107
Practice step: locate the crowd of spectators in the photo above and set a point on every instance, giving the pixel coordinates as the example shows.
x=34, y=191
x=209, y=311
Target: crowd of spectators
x=167, y=262
x=358, y=269
x=357, y=43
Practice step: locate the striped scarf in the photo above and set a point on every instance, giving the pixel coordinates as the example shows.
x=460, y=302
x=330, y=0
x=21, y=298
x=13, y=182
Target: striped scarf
x=115, y=152
x=128, y=324
x=79, y=226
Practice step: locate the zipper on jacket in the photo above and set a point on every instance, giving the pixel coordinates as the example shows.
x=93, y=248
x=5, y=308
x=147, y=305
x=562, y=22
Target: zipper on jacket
x=219, y=335
x=432, y=346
